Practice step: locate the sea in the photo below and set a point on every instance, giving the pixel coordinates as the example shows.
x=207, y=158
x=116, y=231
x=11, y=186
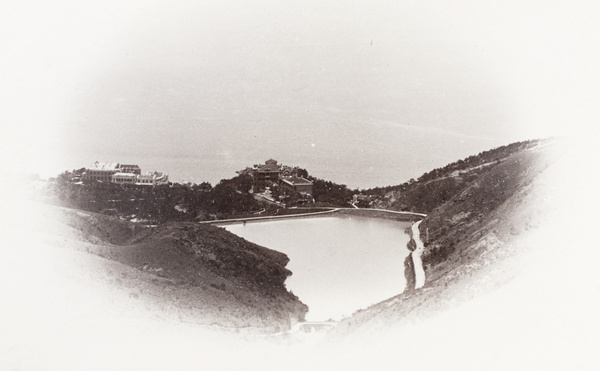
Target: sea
x=359, y=154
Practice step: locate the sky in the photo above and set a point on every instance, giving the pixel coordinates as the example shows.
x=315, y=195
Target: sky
x=219, y=85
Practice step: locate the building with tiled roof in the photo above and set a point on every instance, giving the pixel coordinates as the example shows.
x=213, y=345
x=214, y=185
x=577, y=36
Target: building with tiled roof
x=114, y=172
x=266, y=175
x=124, y=178
x=297, y=184
x=133, y=169
x=154, y=179
x=101, y=171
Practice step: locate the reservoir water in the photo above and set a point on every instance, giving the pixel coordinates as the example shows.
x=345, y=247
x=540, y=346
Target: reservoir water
x=340, y=263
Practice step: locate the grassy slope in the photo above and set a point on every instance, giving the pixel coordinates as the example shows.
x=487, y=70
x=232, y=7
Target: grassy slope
x=438, y=186
x=474, y=241
x=194, y=273
x=458, y=223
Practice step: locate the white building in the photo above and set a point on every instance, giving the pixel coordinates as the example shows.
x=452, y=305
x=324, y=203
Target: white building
x=135, y=169
x=125, y=178
x=115, y=172
x=101, y=171
x=153, y=179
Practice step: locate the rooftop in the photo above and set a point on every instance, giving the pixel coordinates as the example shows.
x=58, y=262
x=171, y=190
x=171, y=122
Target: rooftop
x=105, y=166
x=294, y=180
x=150, y=175
x=268, y=167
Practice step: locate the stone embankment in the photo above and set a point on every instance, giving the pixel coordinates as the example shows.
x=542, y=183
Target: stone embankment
x=270, y=218
x=382, y=213
x=369, y=213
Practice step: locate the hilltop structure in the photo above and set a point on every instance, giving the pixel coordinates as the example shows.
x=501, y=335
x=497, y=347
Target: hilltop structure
x=155, y=178
x=266, y=175
x=114, y=172
x=101, y=171
x=297, y=184
x=273, y=175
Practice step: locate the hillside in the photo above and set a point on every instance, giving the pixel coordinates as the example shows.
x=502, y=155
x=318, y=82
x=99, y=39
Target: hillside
x=471, y=214
x=519, y=289
x=185, y=271
x=438, y=186
x=152, y=205
x=474, y=241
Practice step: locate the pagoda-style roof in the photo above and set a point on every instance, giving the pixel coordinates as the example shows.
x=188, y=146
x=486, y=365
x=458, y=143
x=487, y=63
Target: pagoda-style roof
x=269, y=166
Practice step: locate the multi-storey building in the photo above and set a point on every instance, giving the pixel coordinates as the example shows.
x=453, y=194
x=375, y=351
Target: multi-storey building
x=133, y=169
x=123, y=174
x=154, y=179
x=265, y=175
x=297, y=184
x=273, y=174
x=124, y=178
x=101, y=171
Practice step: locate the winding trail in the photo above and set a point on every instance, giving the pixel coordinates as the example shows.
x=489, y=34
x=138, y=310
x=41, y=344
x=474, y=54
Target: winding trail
x=416, y=256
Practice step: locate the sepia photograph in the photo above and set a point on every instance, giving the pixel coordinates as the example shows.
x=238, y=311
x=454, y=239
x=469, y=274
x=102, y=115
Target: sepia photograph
x=299, y=185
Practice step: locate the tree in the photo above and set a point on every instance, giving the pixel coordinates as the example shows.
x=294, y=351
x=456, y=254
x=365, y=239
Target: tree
x=244, y=182
x=204, y=186
x=302, y=173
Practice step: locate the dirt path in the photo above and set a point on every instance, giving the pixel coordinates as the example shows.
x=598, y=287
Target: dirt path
x=416, y=256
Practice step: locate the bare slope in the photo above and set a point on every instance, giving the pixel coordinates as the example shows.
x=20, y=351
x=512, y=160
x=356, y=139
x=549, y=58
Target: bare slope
x=194, y=273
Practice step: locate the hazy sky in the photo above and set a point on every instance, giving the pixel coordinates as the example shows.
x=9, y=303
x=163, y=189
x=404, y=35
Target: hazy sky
x=116, y=78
